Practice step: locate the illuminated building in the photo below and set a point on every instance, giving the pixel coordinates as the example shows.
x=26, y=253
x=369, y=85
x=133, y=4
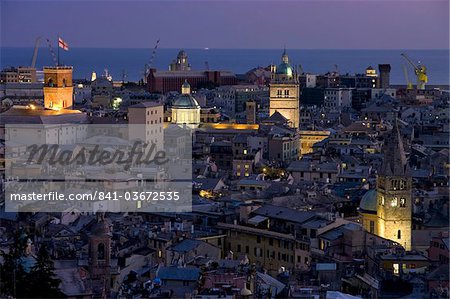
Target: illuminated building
x=285, y=92
x=185, y=108
x=58, y=88
x=371, y=72
x=309, y=138
x=388, y=211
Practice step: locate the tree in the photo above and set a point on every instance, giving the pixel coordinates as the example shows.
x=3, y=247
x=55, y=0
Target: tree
x=42, y=280
x=13, y=276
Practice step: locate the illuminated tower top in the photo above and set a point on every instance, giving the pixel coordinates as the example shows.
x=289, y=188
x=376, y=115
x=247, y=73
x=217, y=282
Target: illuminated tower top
x=58, y=87
x=186, y=88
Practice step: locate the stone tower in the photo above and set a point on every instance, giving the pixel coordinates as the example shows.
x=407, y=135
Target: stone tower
x=284, y=92
x=394, y=202
x=100, y=256
x=58, y=87
x=385, y=71
x=250, y=111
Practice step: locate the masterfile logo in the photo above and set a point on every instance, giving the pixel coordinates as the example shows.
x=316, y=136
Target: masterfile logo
x=61, y=167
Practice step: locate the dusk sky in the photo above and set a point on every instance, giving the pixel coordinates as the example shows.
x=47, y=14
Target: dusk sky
x=361, y=24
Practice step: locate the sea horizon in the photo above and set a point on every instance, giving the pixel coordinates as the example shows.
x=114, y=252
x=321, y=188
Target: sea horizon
x=132, y=61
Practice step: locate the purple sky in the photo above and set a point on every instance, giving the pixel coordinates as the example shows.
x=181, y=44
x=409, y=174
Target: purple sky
x=361, y=24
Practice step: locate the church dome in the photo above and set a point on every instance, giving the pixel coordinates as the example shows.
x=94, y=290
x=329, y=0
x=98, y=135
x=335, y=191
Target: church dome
x=185, y=101
x=368, y=202
x=284, y=69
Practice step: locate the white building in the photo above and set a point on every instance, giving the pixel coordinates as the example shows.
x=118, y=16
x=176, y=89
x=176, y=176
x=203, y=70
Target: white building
x=336, y=99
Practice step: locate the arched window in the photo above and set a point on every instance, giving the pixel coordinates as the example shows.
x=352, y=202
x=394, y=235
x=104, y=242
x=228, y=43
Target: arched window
x=101, y=251
x=399, y=234
x=50, y=82
x=64, y=83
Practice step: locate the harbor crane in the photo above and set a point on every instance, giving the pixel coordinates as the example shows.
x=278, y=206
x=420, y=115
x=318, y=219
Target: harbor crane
x=409, y=85
x=35, y=53
x=419, y=70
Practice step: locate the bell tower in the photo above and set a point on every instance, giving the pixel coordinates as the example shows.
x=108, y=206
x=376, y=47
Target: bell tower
x=58, y=87
x=394, y=185
x=100, y=255
x=284, y=92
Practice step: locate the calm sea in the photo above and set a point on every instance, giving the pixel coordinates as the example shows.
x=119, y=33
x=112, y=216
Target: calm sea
x=132, y=61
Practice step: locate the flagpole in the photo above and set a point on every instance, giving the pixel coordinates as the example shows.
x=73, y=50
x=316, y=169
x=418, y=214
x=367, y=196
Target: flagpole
x=58, y=49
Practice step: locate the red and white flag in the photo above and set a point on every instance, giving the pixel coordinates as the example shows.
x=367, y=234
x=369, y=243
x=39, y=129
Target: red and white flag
x=62, y=44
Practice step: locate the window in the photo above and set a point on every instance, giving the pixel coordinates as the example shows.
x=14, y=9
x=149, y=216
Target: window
x=402, y=202
x=394, y=202
x=101, y=251
x=396, y=269
x=372, y=227
x=399, y=234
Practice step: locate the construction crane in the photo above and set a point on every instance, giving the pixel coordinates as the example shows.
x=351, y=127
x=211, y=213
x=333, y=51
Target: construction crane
x=35, y=53
x=150, y=64
x=409, y=85
x=419, y=70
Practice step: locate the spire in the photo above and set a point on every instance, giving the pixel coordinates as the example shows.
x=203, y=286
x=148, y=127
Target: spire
x=285, y=57
x=394, y=162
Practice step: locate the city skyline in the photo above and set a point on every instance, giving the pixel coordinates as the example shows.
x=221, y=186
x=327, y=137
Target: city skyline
x=239, y=25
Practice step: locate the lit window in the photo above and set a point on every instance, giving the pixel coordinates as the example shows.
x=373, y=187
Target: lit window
x=394, y=202
x=245, y=152
x=402, y=202
x=396, y=269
